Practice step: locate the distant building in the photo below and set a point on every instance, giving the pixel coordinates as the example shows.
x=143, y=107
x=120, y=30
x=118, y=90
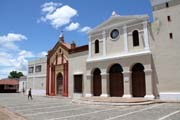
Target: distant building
x=22, y=84
x=9, y=86
x=36, y=78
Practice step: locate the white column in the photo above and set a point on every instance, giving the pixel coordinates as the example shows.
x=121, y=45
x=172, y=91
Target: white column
x=127, y=84
x=149, y=85
x=104, y=43
x=88, y=86
x=146, y=41
x=90, y=46
x=125, y=39
x=104, y=85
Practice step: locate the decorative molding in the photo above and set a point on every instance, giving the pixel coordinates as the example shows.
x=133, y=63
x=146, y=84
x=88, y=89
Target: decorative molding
x=42, y=75
x=118, y=56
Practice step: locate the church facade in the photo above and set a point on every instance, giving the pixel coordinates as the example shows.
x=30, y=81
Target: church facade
x=117, y=62
x=126, y=56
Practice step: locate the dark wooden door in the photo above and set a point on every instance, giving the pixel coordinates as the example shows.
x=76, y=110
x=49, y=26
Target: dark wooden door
x=116, y=85
x=97, y=84
x=59, y=84
x=138, y=84
x=78, y=83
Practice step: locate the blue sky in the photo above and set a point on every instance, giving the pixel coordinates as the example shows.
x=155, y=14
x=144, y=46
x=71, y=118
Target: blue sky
x=29, y=28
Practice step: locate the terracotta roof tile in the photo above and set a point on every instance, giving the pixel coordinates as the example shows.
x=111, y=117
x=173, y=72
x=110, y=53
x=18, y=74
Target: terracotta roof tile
x=9, y=82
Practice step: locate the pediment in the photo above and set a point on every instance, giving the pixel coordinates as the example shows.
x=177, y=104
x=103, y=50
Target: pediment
x=118, y=20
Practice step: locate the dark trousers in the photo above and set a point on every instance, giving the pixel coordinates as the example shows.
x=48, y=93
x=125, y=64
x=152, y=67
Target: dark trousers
x=29, y=95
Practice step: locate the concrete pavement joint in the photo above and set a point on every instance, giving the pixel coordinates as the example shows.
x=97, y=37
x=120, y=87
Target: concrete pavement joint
x=173, y=113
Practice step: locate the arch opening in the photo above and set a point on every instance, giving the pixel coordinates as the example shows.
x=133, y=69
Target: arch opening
x=138, y=80
x=59, y=87
x=97, y=82
x=116, y=83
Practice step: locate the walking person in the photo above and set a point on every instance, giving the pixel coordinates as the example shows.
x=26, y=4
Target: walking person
x=29, y=94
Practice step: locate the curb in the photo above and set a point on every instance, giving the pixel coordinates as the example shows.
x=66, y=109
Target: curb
x=116, y=103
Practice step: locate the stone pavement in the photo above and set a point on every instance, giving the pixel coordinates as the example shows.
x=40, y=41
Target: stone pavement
x=7, y=115
x=60, y=108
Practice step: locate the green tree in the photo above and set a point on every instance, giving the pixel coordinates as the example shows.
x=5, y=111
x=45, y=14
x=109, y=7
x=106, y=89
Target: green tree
x=15, y=74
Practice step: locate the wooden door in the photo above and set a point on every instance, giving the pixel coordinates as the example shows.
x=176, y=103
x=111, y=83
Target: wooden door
x=59, y=84
x=78, y=84
x=138, y=84
x=97, y=83
x=116, y=85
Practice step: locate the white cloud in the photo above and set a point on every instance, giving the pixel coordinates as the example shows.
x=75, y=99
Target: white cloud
x=57, y=16
x=72, y=26
x=85, y=29
x=49, y=7
x=12, y=57
x=26, y=54
x=42, y=54
x=7, y=41
x=10, y=37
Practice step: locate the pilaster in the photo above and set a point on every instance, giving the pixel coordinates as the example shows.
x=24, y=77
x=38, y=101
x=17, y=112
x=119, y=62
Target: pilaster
x=90, y=54
x=146, y=38
x=104, y=43
x=88, y=88
x=149, y=85
x=104, y=85
x=125, y=39
x=127, y=84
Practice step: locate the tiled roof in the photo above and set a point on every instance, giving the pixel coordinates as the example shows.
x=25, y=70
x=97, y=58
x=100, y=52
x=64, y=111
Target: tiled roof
x=9, y=82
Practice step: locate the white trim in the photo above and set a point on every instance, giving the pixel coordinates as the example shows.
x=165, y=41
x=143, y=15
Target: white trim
x=169, y=96
x=78, y=73
x=89, y=47
x=122, y=55
x=104, y=95
x=43, y=75
x=127, y=96
x=104, y=43
x=146, y=41
x=130, y=21
x=88, y=95
x=151, y=97
x=125, y=39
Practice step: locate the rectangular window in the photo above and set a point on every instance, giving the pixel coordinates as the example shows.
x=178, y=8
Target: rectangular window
x=78, y=83
x=31, y=69
x=169, y=18
x=167, y=5
x=38, y=68
x=170, y=35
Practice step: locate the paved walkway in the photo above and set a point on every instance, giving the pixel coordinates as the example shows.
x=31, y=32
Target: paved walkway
x=115, y=101
x=58, y=108
x=5, y=114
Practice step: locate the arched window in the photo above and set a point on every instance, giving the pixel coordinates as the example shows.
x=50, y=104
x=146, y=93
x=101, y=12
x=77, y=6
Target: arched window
x=135, y=38
x=97, y=46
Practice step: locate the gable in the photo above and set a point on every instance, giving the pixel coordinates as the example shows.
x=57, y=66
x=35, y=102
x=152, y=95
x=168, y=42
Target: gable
x=118, y=20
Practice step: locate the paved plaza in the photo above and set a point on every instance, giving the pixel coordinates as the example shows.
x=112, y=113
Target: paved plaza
x=59, y=108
